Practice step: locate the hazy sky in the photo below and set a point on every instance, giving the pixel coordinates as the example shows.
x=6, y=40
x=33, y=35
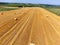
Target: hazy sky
x=56, y=2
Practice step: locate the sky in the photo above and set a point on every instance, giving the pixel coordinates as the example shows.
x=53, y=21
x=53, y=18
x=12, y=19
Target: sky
x=53, y=2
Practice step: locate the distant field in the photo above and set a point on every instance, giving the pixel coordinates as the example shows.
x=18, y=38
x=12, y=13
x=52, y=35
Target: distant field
x=54, y=10
x=7, y=9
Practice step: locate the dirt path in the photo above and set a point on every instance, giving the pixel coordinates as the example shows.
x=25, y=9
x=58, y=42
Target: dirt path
x=29, y=25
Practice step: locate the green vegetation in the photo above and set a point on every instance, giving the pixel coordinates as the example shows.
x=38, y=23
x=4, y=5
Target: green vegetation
x=19, y=5
x=7, y=6
x=54, y=10
x=7, y=9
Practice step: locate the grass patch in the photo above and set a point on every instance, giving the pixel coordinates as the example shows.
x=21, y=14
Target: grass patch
x=54, y=10
x=7, y=9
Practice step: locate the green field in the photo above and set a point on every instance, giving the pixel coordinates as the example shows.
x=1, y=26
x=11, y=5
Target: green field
x=7, y=9
x=54, y=10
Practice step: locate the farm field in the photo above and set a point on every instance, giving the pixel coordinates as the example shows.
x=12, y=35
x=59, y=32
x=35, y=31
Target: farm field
x=7, y=8
x=12, y=6
x=29, y=25
x=54, y=10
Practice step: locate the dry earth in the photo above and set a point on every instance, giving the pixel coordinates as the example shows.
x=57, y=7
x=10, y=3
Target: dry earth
x=29, y=25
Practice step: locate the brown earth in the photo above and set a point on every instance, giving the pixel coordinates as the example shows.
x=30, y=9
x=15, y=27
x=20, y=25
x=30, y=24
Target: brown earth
x=29, y=25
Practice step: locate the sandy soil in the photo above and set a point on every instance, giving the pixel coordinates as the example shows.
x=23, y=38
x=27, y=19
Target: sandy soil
x=29, y=25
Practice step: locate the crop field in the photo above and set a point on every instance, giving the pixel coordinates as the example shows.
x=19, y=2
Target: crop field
x=29, y=25
x=6, y=9
x=54, y=10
